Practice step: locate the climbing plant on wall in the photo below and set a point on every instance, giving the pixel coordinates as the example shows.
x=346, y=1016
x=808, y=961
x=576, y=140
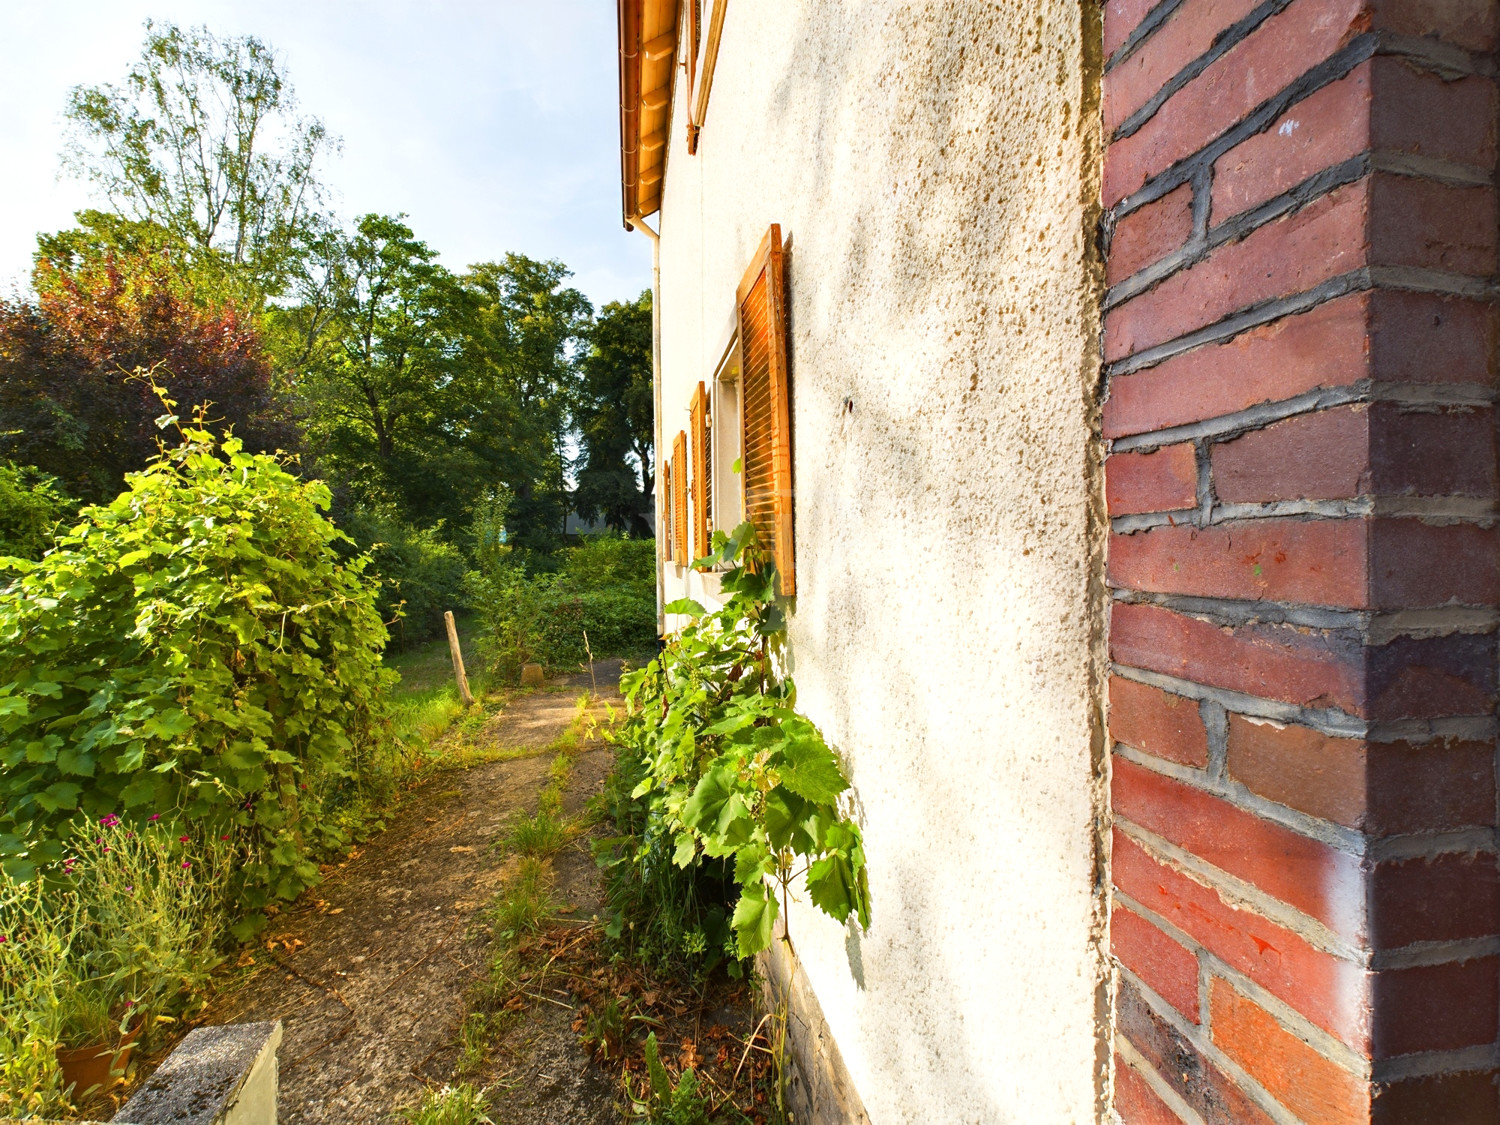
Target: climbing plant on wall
x=731, y=770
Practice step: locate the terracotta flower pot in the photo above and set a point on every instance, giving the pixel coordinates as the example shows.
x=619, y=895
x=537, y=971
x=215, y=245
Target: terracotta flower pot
x=95, y=1069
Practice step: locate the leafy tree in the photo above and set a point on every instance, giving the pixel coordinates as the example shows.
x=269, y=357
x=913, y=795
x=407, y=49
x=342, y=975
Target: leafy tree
x=614, y=412
x=523, y=332
x=69, y=404
x=203, y=139
x=378, y=382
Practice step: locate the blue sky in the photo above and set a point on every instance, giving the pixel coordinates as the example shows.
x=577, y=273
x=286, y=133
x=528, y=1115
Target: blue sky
x=492, y=123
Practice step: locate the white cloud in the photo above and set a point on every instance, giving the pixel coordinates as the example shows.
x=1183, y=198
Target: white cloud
x=493, y=125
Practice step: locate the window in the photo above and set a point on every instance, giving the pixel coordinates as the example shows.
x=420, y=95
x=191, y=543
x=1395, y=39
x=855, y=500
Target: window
x=702, y=514
x=679, y=500
x=705, y=40
x=724, y=436
x=664, y=521
x=765, y=428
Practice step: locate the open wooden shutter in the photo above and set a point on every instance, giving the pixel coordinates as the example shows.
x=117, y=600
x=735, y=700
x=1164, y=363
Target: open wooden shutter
x=679, y=500
x=698, y=413
x=766, y=423
x=664, y=519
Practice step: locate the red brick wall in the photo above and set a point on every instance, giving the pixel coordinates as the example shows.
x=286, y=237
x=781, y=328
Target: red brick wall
x=1300, y=365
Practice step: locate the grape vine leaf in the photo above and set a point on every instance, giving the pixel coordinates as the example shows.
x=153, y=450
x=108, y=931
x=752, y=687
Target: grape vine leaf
x=810, y=770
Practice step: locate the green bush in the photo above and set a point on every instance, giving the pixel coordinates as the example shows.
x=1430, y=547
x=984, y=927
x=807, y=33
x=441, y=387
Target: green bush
x=421, y=574
x=199, y=650
x=31, y=506
x=605, y=588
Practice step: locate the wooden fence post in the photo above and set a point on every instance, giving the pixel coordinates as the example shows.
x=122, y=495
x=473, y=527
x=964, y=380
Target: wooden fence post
x=458, y=660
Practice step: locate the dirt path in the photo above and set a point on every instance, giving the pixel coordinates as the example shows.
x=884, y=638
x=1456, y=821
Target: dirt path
x=370, y=971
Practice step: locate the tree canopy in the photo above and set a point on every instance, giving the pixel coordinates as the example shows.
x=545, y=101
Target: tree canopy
x=203, y=139
x=447, y=409
x=615, y=417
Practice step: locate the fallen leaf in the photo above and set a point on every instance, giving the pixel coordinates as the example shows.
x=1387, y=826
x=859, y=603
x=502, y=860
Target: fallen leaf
x=337, y=910
x=461, y=848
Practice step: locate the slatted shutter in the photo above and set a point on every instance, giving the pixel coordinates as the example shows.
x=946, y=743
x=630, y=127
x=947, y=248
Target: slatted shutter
x=765, y=416
x=664, y=519
x=679, y=500
x=698, y=413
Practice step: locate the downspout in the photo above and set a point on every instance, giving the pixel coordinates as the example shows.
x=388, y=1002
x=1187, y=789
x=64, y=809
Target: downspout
x=638, y=223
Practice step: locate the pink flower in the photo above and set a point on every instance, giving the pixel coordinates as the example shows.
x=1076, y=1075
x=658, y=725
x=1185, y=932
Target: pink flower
x=182, y=839
x=223, y=837
x=3, y=939
x=155, y=817
x=187, y=863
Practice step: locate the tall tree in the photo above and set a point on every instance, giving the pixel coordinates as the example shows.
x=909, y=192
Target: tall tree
x=203, y=139
x=614, y=416
x=377, y=381
x=523, y=335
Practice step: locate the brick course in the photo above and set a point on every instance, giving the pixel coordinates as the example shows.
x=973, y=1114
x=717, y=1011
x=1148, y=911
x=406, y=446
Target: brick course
x=1302, y=476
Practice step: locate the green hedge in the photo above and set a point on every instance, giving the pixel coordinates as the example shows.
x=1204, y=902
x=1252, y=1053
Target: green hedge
x=199, y=650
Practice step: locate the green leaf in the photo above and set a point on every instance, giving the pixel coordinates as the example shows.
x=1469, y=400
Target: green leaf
x=77, y=763
x=686, y=850
x=60, y=795
x=754, y=919
x=661, y=1085
x=785, y=814
x=830, y=885
x=708, y=800
x=684, y=606
x=141, y=791
x=809, y=769
x=751, y=864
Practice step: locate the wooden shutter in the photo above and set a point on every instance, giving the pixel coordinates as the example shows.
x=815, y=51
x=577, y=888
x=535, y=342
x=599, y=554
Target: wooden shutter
x=698, y=413
x=679, y=500
x=664, y=518
x=765, y=416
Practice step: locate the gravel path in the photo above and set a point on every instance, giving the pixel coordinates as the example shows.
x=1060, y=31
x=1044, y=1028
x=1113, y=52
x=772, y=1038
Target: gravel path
x=370, y=969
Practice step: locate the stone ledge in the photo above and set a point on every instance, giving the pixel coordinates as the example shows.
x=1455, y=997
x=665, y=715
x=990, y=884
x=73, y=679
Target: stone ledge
x=222, y=1075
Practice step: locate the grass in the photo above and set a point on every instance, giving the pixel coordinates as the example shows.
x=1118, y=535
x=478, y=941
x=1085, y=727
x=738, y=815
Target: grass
x=520, y=908
x=539, y=835
x=463, y=1104
x=427, y=704
x=473, y=1042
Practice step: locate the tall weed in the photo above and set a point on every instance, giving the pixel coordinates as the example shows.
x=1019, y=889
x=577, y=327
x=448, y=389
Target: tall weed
x=122, y=932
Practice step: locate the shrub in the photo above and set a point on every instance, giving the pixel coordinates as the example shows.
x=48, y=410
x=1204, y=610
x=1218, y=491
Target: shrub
x=605, y=587
x=197, y=650
x=728, y=771
x=31, y=506
x=421, y=574
x=124, y=932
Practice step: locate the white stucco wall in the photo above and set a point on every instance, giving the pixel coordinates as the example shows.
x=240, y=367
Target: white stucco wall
x=927, y=164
